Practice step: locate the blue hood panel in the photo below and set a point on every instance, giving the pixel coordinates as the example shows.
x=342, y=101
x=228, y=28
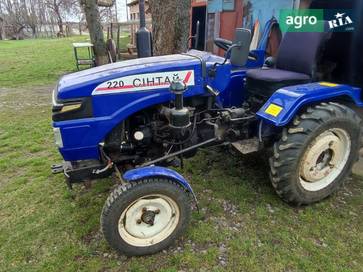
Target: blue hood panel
x=81, y=84
x=121, y=89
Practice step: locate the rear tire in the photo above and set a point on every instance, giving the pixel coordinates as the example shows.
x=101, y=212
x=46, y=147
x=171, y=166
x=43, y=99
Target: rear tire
x=315, y=153
x=145, y=216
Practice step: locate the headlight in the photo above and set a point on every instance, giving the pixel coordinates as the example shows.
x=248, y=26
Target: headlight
x=58, y=137
x=70, y=109
x=54, y=99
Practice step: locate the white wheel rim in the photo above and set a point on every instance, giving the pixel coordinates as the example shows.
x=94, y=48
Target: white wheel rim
x=324, y=159
x=135, y=225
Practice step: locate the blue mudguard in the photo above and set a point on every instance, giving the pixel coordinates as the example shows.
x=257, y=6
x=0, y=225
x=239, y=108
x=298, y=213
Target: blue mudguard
x=284, y=103
x=157, y=171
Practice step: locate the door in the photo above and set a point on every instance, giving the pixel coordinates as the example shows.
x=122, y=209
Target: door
x=199, y=13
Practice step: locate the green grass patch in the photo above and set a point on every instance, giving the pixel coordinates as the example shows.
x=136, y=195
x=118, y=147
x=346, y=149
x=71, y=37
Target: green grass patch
x=37, y=62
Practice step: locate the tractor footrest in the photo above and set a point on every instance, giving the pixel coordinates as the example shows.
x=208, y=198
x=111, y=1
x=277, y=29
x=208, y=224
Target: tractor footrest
x=57, y=168
x=86, y=62
x=247, y=146
x=86, y=170
x=76, y=172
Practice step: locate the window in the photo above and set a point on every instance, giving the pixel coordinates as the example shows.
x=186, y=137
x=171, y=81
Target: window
x=228, y=5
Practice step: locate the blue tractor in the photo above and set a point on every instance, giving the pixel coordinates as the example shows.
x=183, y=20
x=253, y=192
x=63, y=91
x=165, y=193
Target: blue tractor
x=135, y=118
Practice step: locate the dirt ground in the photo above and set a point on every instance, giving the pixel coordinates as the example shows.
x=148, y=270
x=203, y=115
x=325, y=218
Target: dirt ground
x=358, y=167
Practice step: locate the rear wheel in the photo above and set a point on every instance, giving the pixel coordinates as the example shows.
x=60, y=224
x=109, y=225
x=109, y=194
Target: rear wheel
x=146, y=216
x=315, y=153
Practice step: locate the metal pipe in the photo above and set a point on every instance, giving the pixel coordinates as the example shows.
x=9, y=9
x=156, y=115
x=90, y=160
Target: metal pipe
x=143, y=36
x=142, y=13
x=179, y=152
x=179, y=101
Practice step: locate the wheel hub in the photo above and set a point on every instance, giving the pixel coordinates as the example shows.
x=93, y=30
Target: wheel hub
x=324, y=159
x=148, y=217
x=149, y=220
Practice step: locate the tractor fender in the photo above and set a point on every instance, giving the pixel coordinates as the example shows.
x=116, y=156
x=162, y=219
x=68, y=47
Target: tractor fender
x=157, y=171
x=283, y=105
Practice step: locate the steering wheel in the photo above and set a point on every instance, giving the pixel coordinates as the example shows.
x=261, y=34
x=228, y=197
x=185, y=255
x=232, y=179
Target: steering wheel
x=225, y=44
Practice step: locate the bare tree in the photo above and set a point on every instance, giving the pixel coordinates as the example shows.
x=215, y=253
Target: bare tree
x=2, y=22
x=28, y=17
x=170, y=35
x=55, y=6
x=15, y=16
x=42, y=16
x=31, y=15
x=22, y=16
x=2, y=28
x=60, y=8
x=80, y=16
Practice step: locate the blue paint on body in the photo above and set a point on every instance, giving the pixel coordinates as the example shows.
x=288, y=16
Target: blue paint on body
x=156, y=171
x=292, y=98
x=81, y=137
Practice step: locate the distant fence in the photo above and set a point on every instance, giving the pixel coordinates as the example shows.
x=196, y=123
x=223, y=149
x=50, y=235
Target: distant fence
x=45, y=31
x=74, y=28
x=129, y=27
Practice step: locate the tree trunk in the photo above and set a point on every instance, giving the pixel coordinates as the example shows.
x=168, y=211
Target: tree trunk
x=2, y=30
x=59, y=17
x=19, y=32
x=34, y=31
x=52, y=30
x=95, y=30
x=2, y=24
x=170, y=20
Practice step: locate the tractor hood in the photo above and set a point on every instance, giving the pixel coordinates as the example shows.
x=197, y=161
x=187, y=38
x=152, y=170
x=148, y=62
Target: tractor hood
x=144, y=74
x=88, y=104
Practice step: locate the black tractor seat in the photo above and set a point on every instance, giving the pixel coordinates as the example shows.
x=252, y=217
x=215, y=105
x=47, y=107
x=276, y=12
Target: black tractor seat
x=295, y=64
x=266, y=81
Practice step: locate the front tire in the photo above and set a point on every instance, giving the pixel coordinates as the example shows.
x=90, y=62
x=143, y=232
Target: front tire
x=315, y=153
x=145, y=216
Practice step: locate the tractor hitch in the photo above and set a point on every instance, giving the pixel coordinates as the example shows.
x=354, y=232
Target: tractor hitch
x=77, y=172
x=57, y=168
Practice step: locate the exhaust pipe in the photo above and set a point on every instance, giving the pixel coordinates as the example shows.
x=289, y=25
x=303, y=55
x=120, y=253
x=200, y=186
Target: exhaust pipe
x=143, y=35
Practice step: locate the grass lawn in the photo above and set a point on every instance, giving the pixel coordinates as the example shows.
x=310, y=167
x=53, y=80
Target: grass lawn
x=242, y=226
x=37, y=62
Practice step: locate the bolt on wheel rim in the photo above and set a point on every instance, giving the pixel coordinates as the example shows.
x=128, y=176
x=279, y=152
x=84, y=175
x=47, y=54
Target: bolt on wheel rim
x=324, y=159
x=148, y=220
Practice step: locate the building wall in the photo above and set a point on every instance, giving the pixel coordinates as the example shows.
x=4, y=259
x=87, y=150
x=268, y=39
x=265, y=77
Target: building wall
x=229, y=21
x=223, y=17
x=199, y=2
x=263, y=10
x=134, y=17
x=304, y=4
x=134, y=12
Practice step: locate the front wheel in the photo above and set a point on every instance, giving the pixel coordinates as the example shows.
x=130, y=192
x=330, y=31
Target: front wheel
x=146, y=216
x=315, y=153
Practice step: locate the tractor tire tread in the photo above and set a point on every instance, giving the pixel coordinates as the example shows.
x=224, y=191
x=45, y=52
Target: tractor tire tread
x=125, y=192
x=292, y=141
